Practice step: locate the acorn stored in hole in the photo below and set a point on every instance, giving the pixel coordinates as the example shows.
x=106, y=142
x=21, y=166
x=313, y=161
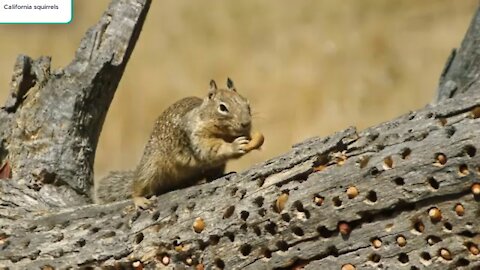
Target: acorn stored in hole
x=198, y=225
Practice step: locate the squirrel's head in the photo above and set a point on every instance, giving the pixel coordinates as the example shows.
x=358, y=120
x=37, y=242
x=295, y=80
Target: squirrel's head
x=230, y=111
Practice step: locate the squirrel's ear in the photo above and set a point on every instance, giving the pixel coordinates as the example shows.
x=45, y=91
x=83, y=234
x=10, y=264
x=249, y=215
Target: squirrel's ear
x=213, y=85
x=230, y=85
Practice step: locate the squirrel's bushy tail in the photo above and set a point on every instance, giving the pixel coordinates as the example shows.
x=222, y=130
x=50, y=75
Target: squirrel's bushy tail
x=116, y=186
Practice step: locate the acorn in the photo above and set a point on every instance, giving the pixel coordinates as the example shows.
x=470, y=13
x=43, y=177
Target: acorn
x=256, y=141
x=318, y=200
x=459, y=209
x=348, y=266
x=476, y=189
x=445, y=253
x=435, y=214
x=281, y=201
x=441, y=159
x=344, y=228
x=198, y=225
x=401, y=241
x=352, y=192
x=165, y=260
x=377, y=243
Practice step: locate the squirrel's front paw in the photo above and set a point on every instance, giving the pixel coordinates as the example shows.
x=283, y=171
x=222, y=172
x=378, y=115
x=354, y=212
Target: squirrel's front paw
x=240, y=146
x=141, y=202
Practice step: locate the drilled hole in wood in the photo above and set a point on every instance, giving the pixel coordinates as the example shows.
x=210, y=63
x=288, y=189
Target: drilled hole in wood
x=244, y=215
x=387, y=163
x=299, y=206
x=138, y=238
x=245, y=249
x=462, y=262
x=94, y=230
x=191, y=205
x=318, y=200
x=332, y=251
x=297, y=231
x=155, y=215
x=271, y=228
x=403, y=258
x=243, y=227
x=399, y=181
x=374, y=257
x=470, y=150
x=257, y=230
x=233, y=191
x=418, y=226
x=405, y=153
x=81, y=242
x=336, y=201
x=267, y=253
x=374, y=171
x=286, y=217
x=425, y=256
x=262, y=212
x=440, y=159
x=363, y=161
x=463, y=170
x=443, y=121
x=448, y=226
x=324, y=232
x=230, y=236
x=433, y=239
x=282, y=245
x=372, y=196
x=475, y=112
x=229, y=212
x=213, y=239
x=219, y=263
x=258, y=201
x=450, y=131
x=433, y=183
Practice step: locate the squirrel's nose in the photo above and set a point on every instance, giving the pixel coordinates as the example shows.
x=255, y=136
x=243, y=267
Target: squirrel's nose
x=245, y=124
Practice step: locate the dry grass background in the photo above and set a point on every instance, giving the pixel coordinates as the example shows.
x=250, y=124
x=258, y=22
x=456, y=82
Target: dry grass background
x=309, y=67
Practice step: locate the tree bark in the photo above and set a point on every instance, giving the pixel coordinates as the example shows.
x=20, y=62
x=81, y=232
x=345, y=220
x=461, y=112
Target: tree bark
x=52, y=120
x=402, y=194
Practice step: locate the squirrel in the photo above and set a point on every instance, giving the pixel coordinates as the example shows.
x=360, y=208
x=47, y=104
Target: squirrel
x=192, y=140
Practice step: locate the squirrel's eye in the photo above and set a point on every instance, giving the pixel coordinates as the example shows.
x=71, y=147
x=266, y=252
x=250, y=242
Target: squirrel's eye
x=222, y=108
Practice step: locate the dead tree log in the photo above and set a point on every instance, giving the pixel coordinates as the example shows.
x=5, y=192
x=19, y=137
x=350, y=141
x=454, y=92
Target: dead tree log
x=403, y=194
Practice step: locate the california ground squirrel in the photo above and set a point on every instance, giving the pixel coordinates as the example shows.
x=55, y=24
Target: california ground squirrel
x=192, y=140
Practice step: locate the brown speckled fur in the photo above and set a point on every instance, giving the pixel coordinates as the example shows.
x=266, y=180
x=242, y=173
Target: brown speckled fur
x=192, y=140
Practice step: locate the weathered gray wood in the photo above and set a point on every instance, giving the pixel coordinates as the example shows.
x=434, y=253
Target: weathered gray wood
x=244, y=229
x=284, y=213
x=463, y=65
x=52, y=119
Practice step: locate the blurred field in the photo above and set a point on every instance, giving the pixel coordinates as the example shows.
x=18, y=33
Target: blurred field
x=308, y=67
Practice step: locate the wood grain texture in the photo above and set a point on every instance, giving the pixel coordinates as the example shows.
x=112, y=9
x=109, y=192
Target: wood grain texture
x=52, y=119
